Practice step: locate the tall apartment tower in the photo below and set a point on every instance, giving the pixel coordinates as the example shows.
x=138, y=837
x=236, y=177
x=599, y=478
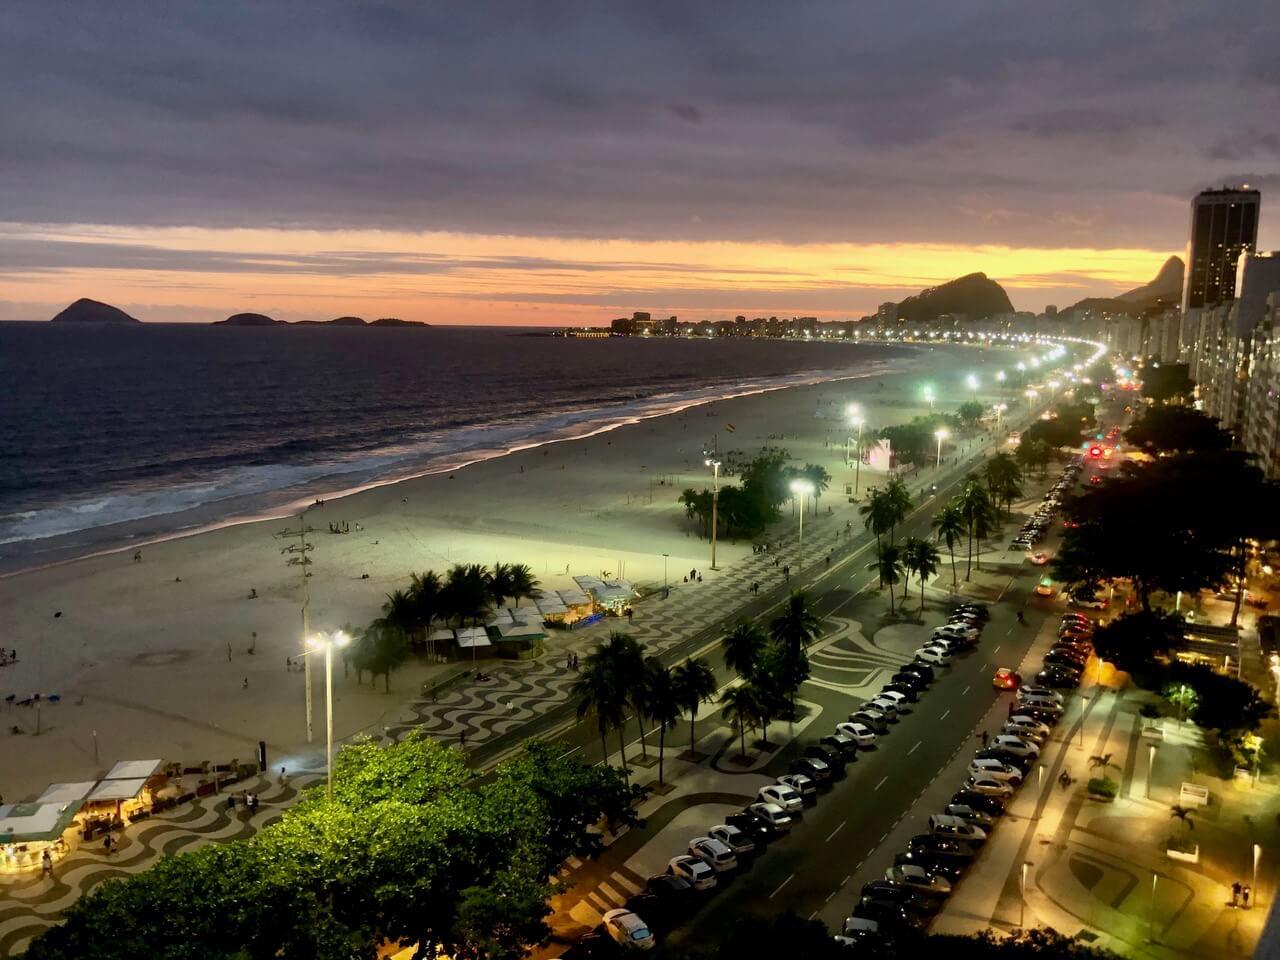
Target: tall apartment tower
x=1224, y=224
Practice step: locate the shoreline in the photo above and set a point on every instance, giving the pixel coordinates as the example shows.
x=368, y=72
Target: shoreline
x=132, y=534
x=152, y=658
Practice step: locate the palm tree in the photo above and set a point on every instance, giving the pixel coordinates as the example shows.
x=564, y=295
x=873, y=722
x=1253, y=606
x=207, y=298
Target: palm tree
x=695, y=683
x=1003, y=476
x=596, y=693
x=382, y=647
x=741, y=708
x=400, y=612
x=921, y=558
x=465, y=594
x=523, y=583
x=899, y=501
x=975, y=507
x=625, y=657
x=661, y=702
x=889, y=566
x=742, y=648
x=425, y=589
x=1179, y=812
x=821, y=480
x=1103, y=762
x=878, y=515
x=792, y=631
x=949, y=526
x=500, y=583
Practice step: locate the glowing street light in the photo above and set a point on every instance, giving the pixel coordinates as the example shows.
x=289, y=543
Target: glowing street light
x=972, y=381
x=327, y=643
x=858, y=420
x=999, y=408
x=941, y=434
x=928, y=395
x=802, y=489
x=715, y=495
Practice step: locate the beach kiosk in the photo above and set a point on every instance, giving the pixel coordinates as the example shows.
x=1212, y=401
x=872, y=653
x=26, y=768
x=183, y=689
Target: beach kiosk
x=27, y=830
x=551, y=610
x=613, y=596
x=472, y=638
x=127, y=789
x=579, y=607
x=519, y=640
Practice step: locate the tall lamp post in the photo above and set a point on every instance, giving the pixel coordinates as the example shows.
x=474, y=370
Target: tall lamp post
x=971, y=381
x=801, y=488
x=715, y=496
x=940, y=434
x=928, y=395
x=858, y=420
x=1000, y=408
x=327, y=642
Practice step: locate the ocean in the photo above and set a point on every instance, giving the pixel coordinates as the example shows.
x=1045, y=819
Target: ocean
x=113, y=435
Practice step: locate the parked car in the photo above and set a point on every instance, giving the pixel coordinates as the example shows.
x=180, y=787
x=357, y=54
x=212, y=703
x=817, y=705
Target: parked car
x=995, y=770
x=922, y=670
x=887, y=915
x=956, y=828
x=941, y=848
x=918, y=879
x=693, y=869
x=989, y=786
x=668, y=886
x=783, y=795
x=1088, y=601
x=949, y=870
x=815, y=770
x=718, y=856
x=832, y=757
x=870, y=717
x=917, y=680
x=732, y=837
x=964, y=631
x=1033, y=730
x=859, y=733
x=857, y=928
x=760, y=830
x=1030, y=691
x=1015, y=744
x=628, y=930
x=886, y=705
x=1062, y=679
x=908, y=692
x=1048, y=716
x=985, y=803
x=845, y=746
x=808, y=789
x=776, y=816
x=970, y=815
x=884, y=892
x=1062, y=661
x=933, y=656
x=901, y=702
x=1019, y=762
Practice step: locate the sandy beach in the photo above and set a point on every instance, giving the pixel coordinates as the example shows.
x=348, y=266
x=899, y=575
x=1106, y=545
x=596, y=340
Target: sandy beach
x=151, y=658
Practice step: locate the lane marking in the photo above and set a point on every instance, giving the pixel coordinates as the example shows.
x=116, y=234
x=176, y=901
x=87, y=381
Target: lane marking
x=944, y=713
x=569, y=753
x=845, y=880
x=834, y=832
x=997, y=649
x=913, y=749
x=781, y=885
x=966, y=690
x=881, y=783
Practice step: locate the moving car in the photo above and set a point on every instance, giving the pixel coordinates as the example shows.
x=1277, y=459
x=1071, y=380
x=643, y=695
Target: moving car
x=1040, y=558
x=693, y=869
x=628, y=930
x=717, y=855
x=1006, y=678
x=1044, y=588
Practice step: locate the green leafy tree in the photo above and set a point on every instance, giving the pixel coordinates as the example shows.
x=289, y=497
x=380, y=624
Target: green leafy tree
x=741, y=707
x=1165, y=382
x=597, y=693
x=381, y=648
x=1177, y=430
x=465, y=595
x=921, y=558
x=978, y=512
x=888, y=565
x=695, y=684
x=878, y=516
x=792, y=631
x=970, y=412
x=742, y=648
x=817, y=475
x=1033, y=454
x=662, y=703
x=1133, y=641
x=1003, y=477
x=950, y=527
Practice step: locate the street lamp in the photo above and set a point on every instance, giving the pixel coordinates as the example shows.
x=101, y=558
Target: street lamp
x=715, y=495
x=326, y=643
x=972, y=382
x=1000, y=408
x=928, y=395
x=941, y=434
x=801, y=488
x=1023, y=885
x=857, y=420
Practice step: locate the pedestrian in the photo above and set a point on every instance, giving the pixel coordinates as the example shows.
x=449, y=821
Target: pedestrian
x=1244, y=895
x=46, y=865
x=228, y=651
x=244, y=684
x=284, y=778
x=984, y=737
x=137, y=558
x=1236, y=888
x=462, y=738
x=253, y=643
x=231, y=801
x=108, y=845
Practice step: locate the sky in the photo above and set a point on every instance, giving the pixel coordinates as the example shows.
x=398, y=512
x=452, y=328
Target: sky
x=568, y=162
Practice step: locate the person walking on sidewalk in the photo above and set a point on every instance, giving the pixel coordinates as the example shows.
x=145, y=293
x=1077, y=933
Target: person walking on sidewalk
x=1244, y=895
x=1235, y=894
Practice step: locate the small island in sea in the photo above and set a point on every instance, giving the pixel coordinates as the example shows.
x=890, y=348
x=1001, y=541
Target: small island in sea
x=262, y=320
x=85, y=310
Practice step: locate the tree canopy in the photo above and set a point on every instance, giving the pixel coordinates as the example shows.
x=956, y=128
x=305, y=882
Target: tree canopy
x=1177, y=429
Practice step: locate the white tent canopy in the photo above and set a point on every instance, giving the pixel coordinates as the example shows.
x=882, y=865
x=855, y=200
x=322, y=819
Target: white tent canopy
x=118, y=790
x=67, y=792
x=473, y=637
x=134, y=770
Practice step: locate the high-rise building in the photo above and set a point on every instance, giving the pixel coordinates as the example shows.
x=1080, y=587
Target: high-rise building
x=1224, y=224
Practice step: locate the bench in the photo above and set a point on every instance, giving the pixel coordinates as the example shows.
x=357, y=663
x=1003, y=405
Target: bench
x=1193, y=795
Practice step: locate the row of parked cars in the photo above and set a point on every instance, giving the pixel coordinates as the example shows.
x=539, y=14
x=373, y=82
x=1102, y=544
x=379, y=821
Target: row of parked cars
x=924, y=875
x=1036, y=527
x=724, y=848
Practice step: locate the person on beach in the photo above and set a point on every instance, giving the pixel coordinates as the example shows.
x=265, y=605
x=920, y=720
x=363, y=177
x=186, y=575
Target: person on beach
x=1245, y=891
x=253, y=643
x=137, y=558
x=284, y=778
x=244, y=684
x=46, y=865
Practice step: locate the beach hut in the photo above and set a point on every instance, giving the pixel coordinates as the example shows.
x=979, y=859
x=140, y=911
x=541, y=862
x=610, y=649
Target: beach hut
x=501, y=616
x=578, y=603
x=614, y=596
x=521, y=640
x=551, y=610
x=437, y=637
x=27, y=830
x=472, y=638
x=127, y=789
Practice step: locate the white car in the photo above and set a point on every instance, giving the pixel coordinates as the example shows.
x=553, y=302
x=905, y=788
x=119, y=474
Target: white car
x=933, y=656
x=995, y=770
x=956, y=828
x=1027, y=727
x=1015, y=745
x=784, y=796
x=947, y=642
x=733, y=838
x=886, y=706
x=900, y=701
x=855, y=927
x=989, y=787
x=919, y=880
x=628, y=930
x=801, y=784
x=859, y=733
x=695, y=870
x=958, y=629
x=1044, y=693
x=774, y=814
x=718, y=856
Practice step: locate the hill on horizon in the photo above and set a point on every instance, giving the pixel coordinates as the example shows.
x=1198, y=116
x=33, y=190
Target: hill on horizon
x=973, y=295
x=1165, y=288
x=85, y=310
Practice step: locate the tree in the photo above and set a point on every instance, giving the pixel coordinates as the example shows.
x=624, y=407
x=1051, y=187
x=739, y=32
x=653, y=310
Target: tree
x=878, y=516
x=742, y=648
x=975, y=507
x=1183, y=815
x=792, y=631
x=921, y=558
x=1177, y=430
x=949, y=525
x=465, y=595
x=818, y=476
x=1132, y=641
x=900, y=503
x=1003, y=476
x=380, y=648
x=695, y=683
x=500, y=583
x=401, y=613
x=624, y=657
x=523, y=584
x=662, y=703
x=597, y=693
x=1164, y=382
x=888, y=565
x=425, y=589
x=1033, y=453
x=970, y=412
x=741, y=707
x=1222, y=703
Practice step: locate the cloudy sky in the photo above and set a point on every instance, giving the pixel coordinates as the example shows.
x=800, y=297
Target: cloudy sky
x=548, y=162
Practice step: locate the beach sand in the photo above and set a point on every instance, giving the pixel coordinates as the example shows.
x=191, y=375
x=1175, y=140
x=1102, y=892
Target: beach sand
x=151, y=658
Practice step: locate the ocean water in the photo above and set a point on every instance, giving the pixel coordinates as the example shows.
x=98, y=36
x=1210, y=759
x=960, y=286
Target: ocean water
x=111, y=435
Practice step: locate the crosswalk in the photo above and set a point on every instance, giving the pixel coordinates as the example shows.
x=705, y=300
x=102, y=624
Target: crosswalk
x=612, y=892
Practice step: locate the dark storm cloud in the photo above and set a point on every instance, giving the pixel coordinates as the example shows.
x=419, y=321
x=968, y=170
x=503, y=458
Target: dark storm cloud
x=973, y=122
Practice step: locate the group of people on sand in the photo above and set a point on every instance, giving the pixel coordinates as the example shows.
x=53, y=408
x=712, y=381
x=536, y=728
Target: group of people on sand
x=342, y=527
x=694, y=576
x=7, y=657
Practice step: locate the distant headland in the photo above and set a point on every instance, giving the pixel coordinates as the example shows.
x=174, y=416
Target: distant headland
x=262, y=320
x=85, y=310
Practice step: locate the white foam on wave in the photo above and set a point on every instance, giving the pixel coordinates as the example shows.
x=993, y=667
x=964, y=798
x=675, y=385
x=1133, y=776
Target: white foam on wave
x=257, y=492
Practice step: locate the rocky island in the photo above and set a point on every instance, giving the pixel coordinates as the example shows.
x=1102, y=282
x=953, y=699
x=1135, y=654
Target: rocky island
x=85, y=310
